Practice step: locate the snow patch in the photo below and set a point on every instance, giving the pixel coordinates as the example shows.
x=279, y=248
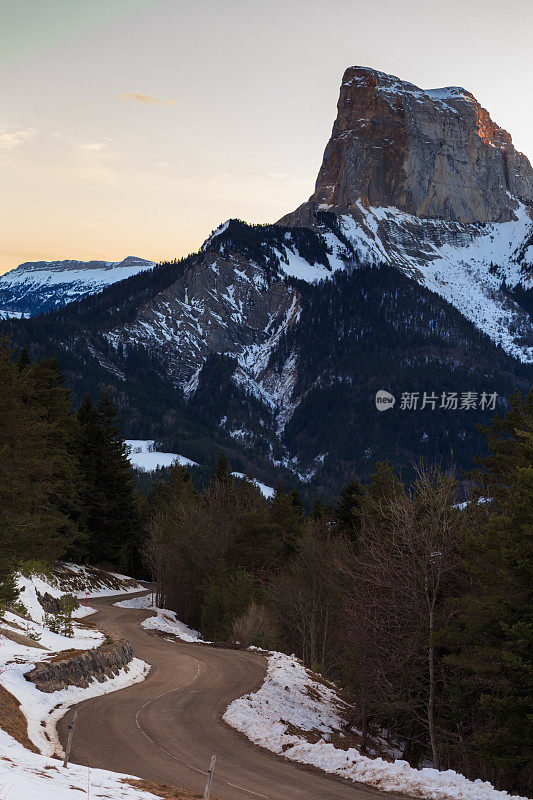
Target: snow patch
x=266, y=491
x=164, y=620
x=143, y=456
x=289, y=694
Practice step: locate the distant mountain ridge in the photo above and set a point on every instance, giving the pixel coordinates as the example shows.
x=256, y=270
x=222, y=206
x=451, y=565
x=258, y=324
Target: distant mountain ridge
x=272, y=340
x=37, y=286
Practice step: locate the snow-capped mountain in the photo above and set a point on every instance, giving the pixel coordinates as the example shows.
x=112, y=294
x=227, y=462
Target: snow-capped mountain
x=409, y=270
x=427, y=182
x=35, y=287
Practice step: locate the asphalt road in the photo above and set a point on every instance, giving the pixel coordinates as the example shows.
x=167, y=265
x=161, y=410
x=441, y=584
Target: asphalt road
x=166, y=728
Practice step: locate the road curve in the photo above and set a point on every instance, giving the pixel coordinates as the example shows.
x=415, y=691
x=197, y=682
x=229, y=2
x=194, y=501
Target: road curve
x=166, y=728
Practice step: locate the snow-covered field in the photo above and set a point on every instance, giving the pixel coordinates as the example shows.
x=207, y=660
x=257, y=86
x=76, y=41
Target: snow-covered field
x=143, y=456
x=163, y=619
x=294, y=715
x=24, y=641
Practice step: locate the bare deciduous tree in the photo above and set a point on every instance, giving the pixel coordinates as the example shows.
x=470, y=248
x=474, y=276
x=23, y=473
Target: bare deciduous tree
x=397, y=598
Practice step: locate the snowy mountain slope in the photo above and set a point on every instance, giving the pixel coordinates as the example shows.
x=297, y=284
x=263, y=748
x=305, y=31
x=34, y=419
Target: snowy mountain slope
x=233, y=300
x=287, y=368
x=464, y=263
x=34, y=287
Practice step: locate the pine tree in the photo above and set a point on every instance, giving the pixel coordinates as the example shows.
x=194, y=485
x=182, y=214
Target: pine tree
x=109, y=509
x=288, y=518
x=222, y=472
x=348, y=509
x=92, y=497
x=53, y=398
x=177, y=490
x=493, y=633
x=318, y=511
x=37, y=483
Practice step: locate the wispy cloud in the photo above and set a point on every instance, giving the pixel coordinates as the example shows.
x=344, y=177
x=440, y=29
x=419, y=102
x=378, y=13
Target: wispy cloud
x=147, y=99
x=92, y=147
x=11, y=139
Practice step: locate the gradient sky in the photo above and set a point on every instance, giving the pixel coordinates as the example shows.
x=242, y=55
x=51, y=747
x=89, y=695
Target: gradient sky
x=134, y=127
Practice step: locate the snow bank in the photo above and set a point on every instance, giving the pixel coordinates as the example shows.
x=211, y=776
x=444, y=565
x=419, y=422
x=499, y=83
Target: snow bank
x=44, y=709
x=82, y=582
x=87, y=582
x=164, y=620
x=28, y=776
x=23, y=643
x=290, y=695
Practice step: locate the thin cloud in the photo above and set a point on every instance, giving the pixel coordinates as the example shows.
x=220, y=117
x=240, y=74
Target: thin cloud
x=92, y=147
x=147, y=99
x=10, y=140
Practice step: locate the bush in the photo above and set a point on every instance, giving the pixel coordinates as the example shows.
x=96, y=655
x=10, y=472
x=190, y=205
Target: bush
x=256, y=627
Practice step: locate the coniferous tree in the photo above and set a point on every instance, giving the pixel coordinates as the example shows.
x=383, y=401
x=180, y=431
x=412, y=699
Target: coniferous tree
x=178, y=489
x=222, y=472
x=53, y=399
x=109, y=509
x=288, y=517
x=349, y=506
x=492, y=636
x=318, y=511
x=37, y=485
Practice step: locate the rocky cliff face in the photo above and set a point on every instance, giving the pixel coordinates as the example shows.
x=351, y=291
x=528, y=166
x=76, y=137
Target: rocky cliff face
x=434, y=154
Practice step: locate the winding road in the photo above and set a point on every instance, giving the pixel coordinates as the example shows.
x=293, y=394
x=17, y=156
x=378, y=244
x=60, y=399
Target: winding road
x=166, y=728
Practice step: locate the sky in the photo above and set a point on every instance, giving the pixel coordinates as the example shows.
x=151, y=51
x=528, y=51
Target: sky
x=135, y=127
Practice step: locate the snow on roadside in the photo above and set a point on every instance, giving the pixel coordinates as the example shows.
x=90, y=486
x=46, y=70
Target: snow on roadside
x=25, y=641
x=82, y=582
x=87, y=582
x=44, y=709
x=164, y=620
x=28, y=776
x=290, y=696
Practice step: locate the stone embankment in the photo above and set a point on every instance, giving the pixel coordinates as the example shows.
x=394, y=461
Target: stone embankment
x=75, y=668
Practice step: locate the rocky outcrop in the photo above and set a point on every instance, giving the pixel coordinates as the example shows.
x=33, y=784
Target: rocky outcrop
x=434, y=154
x=79, y=669
x=53, y=605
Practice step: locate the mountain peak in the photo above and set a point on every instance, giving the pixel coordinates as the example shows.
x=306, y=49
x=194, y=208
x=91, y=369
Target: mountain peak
x=432, y=153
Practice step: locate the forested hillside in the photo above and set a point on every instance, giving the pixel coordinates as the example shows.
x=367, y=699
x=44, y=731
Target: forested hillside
x=297, y=400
